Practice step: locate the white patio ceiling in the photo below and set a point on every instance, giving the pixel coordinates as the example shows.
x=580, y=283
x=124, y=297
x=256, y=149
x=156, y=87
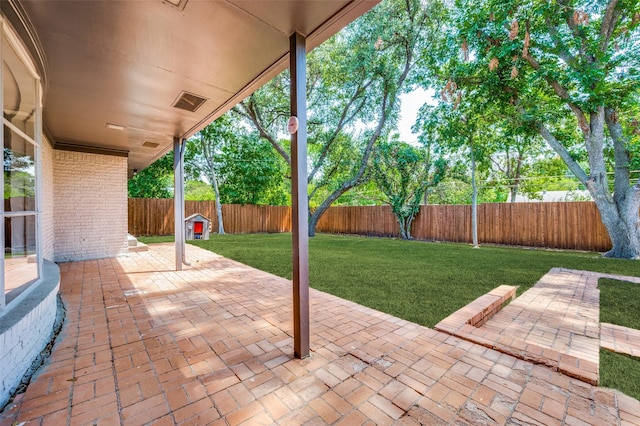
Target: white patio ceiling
x=126, y=62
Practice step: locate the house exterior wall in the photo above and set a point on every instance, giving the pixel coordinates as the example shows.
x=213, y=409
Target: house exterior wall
x=89, y=205
x=81, y=213
x=26, y=329
x=27, y=326
x=46, y=208
x=83, y=216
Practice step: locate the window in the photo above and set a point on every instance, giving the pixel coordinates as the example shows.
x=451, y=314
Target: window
x=21, y=137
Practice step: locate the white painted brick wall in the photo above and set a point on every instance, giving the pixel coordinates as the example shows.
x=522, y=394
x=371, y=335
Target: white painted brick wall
x=21, y=342
x=90, y=205
x=47, y=200
x=24, y=341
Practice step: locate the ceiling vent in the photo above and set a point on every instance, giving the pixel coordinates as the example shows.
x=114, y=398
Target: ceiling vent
x=150, y=145
x=189, y=102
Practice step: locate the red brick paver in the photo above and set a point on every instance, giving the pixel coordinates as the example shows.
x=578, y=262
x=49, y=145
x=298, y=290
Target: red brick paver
x=620, y=339
x=561, y=312
x=143, y=344
x=555, y=323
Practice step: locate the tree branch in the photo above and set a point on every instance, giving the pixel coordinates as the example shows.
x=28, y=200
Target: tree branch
x=248, y=109
x=563, y=94
x=569, y=19
x=609, y=20
x=563, y=53
x=562, y=152
x=498, y=165
x=387, y=106
x=344, y=119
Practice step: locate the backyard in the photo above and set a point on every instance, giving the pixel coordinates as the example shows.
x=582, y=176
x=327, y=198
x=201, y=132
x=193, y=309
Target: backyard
x=417, y=281
x=425, y=282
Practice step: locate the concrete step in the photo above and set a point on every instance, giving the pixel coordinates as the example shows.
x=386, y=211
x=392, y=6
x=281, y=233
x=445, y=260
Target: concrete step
x=135, y=245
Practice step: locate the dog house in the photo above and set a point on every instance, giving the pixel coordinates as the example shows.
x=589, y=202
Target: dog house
x=197, y=227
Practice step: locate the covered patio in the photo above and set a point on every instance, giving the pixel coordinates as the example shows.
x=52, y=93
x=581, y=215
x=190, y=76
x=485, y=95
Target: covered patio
x=212, y=344
x=95, y=91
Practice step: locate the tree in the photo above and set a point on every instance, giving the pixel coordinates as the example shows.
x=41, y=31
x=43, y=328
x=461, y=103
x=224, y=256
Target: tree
x=549, y=173
x=240, y=168
x=251, y=172
x=404, y=173
x=206, y=146
x=457, y=126
x=366, y=194
x=196, y=190
x=155, y=181
x=542, y=61
x=450, y=190
x=512, y=151
x=19, y=180
x=354, y=80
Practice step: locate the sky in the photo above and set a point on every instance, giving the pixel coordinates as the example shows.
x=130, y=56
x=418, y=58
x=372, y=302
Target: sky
x=410, y=104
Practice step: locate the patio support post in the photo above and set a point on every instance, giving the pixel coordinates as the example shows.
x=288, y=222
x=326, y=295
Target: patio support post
x=178, y=199
x=299, y=197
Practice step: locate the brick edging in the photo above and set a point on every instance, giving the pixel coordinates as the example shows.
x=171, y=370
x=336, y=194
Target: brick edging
x=465, y=323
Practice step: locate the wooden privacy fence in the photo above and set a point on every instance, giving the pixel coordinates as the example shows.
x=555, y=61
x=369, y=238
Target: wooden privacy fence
x=563, y=225
x=154, y=216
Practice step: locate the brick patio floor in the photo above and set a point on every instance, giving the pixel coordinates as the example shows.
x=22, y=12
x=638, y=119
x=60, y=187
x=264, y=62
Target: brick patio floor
x=561, y=312
x=143, y=344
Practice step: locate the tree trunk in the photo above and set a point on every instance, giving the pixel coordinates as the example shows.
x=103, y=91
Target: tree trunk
x=631, y=220
x=620, y=233
x=517, y=179
x=619, y=212
x=620, y=218
x=405, y=226
x=313, y=222
x=219, y=213
x=216, y=191
x=474, y=200
x=409, y=225
x=513, y=191
x=626, y=197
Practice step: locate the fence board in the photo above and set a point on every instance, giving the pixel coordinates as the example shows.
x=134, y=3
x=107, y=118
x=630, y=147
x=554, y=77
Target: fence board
x=149, y=216
x=561, y=225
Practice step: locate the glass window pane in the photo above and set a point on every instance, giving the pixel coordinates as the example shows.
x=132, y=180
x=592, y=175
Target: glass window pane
x=19, y=173
x=19, y=92
x=20, y=259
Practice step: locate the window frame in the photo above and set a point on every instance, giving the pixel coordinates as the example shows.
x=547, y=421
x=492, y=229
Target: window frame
x=8, y=36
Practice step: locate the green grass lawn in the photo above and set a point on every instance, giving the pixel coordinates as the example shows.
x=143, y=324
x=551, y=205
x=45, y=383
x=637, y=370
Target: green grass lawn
x=156, y=239
x=620, y=371
x=420, y=282
x=620, y=305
